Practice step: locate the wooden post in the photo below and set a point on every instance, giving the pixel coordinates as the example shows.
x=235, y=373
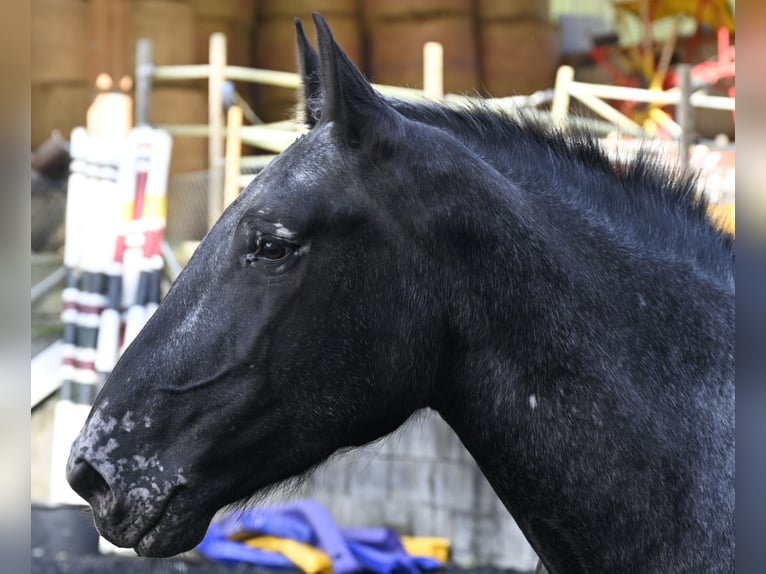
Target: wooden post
x=144, y=78
x=560, y=103
x=685, y=113
x=216, y=122
x=233, y=155
x=433, y=70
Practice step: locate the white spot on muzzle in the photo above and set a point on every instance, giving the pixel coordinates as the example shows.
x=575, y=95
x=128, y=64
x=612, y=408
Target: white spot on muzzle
x=143, y=463
x=532, y=401
x=127, y=424
x=141, y=482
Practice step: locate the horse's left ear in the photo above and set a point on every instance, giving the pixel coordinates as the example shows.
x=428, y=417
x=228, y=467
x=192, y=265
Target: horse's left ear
x=311, y=77
x=360, y=116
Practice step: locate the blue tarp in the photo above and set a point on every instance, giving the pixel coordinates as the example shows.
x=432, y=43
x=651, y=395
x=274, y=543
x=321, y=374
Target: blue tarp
x=351, y=550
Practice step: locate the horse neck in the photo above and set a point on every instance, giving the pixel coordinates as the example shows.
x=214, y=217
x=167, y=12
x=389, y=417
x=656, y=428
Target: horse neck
x=543, y=348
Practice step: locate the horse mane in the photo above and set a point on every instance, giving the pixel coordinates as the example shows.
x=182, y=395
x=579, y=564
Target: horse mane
x=647, y=201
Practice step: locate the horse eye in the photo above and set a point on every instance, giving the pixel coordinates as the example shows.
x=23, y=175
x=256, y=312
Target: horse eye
x=268, y=249
x=272, y=249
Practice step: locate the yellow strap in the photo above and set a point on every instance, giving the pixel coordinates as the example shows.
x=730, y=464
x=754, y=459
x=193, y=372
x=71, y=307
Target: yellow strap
x=432, y=547
x=305, y=557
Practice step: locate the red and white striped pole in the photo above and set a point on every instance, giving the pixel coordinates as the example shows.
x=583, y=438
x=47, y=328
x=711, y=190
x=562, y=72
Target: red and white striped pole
x=148, y=233
x=90, y=224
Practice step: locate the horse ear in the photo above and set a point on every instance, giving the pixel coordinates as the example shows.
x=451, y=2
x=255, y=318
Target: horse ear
x=311, y=78
x=359, y=114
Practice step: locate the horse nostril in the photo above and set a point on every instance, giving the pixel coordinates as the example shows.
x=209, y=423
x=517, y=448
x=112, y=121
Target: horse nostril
x=86, y=480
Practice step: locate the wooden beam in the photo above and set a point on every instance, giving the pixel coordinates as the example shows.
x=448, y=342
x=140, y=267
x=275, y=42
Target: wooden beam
x=433, y=70
x=216, y=122
x=233, y=155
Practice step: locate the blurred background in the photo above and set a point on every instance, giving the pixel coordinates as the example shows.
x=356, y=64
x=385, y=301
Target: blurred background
x=421, y=480
x=491, y=48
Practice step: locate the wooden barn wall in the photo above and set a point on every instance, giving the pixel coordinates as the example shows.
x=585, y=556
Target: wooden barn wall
x=71, y=45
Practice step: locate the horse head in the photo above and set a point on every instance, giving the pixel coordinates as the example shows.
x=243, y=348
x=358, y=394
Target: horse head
x=301, y=325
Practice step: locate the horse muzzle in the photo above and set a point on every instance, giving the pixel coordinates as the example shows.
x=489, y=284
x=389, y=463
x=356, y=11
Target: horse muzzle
x=148, y=513
x=134, y=498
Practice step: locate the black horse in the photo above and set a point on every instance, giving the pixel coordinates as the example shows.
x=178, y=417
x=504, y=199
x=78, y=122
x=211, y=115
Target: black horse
x=571, y=320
